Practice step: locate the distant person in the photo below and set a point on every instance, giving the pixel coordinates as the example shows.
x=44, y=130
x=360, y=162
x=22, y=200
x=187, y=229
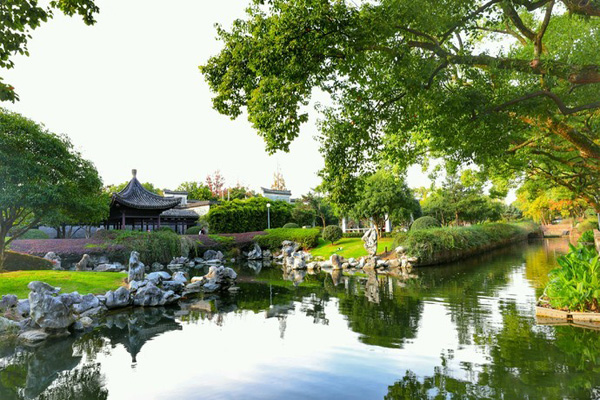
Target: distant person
x=202, y=231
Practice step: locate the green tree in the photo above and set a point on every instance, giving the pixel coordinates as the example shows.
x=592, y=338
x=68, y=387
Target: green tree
x=147, y=185
x=321, y=207
x=20, y=17
x=303, y=214
x=239, y=192
x=383, y=196
x=196, y=190
x=509, y=85
x=86, y=211
x=40, y=173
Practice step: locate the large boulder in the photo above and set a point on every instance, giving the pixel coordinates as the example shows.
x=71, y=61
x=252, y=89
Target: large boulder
x=54, y=259
x=47, y=309
x=336, y=261
x=85, y=264
x=288, y=248
x=7, y=326
x=114, y=267
x=88, y=302
x=136, y=268
x=213, y=255
x=158, y=277
x=218, y=278
x=180, y=277
x=255, y=253
x=370, y=239
x=8, y=301
x=117, y=299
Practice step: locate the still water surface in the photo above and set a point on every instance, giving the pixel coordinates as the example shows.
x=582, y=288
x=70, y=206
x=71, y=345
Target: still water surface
x=465, y=330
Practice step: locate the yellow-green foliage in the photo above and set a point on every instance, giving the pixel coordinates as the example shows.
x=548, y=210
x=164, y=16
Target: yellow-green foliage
x=429, y=243
x=81, y=281
x=158, y=246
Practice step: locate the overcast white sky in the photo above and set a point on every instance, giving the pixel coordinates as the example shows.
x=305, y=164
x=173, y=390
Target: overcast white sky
x=129, y=94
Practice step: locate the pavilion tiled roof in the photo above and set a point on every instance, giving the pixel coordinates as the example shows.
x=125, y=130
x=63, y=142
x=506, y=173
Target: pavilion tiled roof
x=136, y=196
x=274, y=191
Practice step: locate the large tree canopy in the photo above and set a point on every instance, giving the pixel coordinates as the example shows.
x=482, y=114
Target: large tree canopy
x=510, y=85
x=40, y=176
x=19, y=17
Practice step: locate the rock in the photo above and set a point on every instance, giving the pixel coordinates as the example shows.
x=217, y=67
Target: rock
x=54, y=259
x=88, y=302
x=370, y=263
x=135, y=285
x=345, y=265
x=193, y=288
x=37, y=286
x=361, y=263
x=33, y=336
x=85, y=264
x=299, y=262
x=180, y=260
x=255, y=253
x=267, y=254
x=336, y=261
x=370, y=239
x=116, y=267
x=158, y=277
x=8, y=326
x=8, y=301
x=101, y=298
x=174, y=286
x=382, y=263
x=400, y=250
x=394, y=263
x=180, y=277
x=156, y=267
x=102, y=260
x=313, y=266
x=96, y=311
x=210, y=255
x=148, y=295
x=169, y=297
x=119, y=298
x=136, y=268
x=49, y=311
x=218, y=278
x=288, y=248
x=23, y=308
x=175, y=267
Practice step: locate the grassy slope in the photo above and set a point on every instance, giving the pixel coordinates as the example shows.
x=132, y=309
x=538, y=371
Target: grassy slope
x=83, y=282
x=351, y=247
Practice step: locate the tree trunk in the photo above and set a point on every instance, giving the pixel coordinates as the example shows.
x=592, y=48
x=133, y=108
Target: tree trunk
x=2, y=252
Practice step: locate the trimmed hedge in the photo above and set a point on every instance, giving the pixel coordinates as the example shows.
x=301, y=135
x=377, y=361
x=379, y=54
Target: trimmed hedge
x=34, y=234
x=249, y=215
x=439, y=245
x=307, y=238
x=193, y=230
x=24, y=262
x=425, y=223
x=291, y=225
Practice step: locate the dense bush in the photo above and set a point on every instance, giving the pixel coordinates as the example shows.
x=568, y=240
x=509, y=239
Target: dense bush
x=307, y=238
x=154, y=246
x=247, y=215
x=34, y=234
x=331, y=233
x=587, y=225
x=588, y=237
x=291, y=225
x=193, y=230
x=442, y=244
x=425, y=223
x=576, y=284
x=165, y=229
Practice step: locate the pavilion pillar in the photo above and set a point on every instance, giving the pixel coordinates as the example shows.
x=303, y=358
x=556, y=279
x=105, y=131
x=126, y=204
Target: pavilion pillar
x=159, y=222
x=122, y=219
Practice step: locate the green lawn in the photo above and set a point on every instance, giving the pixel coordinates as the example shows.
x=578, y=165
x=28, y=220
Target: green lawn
x=350, y=247
x=83, y=282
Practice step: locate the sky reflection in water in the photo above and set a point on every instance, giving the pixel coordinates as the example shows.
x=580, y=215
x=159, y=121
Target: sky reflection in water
x=465, y=330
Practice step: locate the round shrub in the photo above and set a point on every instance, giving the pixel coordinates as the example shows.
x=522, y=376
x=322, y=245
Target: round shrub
x=331, y=233
x=165, y=229
x=425, y=223
x=193, y=230
x=291, y=225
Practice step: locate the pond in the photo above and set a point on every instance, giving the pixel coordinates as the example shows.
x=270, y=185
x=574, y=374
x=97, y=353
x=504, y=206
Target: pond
x=465, y=330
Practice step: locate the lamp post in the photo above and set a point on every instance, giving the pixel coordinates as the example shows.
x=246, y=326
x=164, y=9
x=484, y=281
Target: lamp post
x=268, y=215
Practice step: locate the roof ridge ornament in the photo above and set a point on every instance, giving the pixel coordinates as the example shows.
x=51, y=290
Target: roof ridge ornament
x=134, y=173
